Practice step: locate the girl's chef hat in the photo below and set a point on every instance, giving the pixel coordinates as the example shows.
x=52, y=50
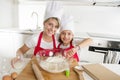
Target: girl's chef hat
x=67, y=23
x=53, y=9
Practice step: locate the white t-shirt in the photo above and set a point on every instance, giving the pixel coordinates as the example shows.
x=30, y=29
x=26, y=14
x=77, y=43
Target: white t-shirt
x=32, y=41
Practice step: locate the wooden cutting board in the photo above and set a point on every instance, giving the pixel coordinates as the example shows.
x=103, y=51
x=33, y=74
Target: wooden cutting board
x=99, y=72
x=28, y=74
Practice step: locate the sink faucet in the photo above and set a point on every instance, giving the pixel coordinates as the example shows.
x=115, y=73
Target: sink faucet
x=35, y=13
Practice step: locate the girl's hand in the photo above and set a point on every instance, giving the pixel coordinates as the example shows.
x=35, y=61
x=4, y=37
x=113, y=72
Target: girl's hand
x=71, y=52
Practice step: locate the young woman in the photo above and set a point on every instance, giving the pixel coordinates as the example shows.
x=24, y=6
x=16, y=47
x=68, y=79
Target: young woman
x=46, y=40
x=67, y=42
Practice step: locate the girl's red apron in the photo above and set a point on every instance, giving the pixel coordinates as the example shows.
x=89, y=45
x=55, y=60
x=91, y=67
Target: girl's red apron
x=42, y=51
x=71, y=46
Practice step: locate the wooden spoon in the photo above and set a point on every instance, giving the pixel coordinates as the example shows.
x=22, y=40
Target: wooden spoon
x=80, y=73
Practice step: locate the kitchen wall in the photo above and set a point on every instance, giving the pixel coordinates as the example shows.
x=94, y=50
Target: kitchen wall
x=8, y=14
x=98, y=19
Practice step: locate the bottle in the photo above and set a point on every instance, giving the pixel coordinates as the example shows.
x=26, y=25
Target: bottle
x=67, y=72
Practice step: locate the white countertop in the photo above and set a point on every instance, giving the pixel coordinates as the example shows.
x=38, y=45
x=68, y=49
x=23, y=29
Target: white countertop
x=6, y=68
x=103, y=36
x=16, y=30
x=110, y=37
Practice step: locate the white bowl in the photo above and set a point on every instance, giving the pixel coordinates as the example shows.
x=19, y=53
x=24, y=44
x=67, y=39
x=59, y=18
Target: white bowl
x=54, y=64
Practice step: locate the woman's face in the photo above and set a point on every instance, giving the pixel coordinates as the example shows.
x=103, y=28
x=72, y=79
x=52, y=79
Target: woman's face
x=66, y=36
x=51, y=26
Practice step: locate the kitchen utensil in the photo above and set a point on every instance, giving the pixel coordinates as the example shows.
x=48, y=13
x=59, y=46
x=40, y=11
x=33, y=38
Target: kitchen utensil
x=80, y=73
x=37, y=72
x=54, y=64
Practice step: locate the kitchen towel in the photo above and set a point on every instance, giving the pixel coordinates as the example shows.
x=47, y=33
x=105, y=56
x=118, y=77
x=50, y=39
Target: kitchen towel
x=112, y=57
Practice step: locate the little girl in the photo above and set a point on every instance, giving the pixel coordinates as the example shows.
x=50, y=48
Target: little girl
x=66, y=40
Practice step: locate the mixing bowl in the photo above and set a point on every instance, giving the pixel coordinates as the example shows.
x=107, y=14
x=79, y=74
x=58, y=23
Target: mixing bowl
x=53, y=64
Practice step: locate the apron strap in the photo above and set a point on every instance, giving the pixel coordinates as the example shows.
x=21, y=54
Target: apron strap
x=71, y=46
x=54, y=42
x=40, y=37
x=59, y=45
x=75, y=55
x=39, y=40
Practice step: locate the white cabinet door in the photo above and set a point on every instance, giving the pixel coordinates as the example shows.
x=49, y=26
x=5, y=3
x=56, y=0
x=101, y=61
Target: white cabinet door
x=91, y=57
x=19, y=39
x=6, y=44
x=10, y=42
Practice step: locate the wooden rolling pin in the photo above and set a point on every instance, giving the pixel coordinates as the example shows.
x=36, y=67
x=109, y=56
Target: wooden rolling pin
x=80, y=73
x=37, y=72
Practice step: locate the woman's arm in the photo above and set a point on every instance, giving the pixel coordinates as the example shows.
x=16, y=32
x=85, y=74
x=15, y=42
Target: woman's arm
x=22, y=50
x=19, y=54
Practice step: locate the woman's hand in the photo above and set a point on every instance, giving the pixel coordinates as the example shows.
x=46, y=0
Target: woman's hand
x=16, y=59
x=13, y=61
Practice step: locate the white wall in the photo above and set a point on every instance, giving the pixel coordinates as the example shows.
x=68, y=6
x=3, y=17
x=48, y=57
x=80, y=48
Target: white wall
x=96, y=18
x=8, y=16
x=87, y=18
x=99, y=19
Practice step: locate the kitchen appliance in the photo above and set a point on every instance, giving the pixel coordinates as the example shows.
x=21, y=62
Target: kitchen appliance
x=104, y=48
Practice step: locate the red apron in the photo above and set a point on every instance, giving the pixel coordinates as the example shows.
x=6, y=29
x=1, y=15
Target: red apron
x=71, y=46
x=41, y=51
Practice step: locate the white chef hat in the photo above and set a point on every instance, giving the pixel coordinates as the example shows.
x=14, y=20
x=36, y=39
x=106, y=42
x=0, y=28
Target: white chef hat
x=54, y=9
x=67, y=23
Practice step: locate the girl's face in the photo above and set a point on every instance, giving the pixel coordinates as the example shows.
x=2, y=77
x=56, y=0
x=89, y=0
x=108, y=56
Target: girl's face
x=66, y=36
x=51, y=26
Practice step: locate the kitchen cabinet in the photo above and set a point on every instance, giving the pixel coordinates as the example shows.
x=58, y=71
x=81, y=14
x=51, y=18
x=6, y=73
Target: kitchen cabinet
x=11, y=41
x=93, y=57
x=19, y=39
x=90, y=57
x=6, y=44
x=97, y=57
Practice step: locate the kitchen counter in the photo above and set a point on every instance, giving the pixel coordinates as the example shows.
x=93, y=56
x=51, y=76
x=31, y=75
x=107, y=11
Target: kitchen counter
x=22, y=31
x=6, y=68
x=103, y=36
x=113, y=67
x=97, y=36
x=81, y=35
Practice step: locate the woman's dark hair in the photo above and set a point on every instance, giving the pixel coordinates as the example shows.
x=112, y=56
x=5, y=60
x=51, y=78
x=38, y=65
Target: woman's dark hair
x=60, y=40
x=53, y=18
